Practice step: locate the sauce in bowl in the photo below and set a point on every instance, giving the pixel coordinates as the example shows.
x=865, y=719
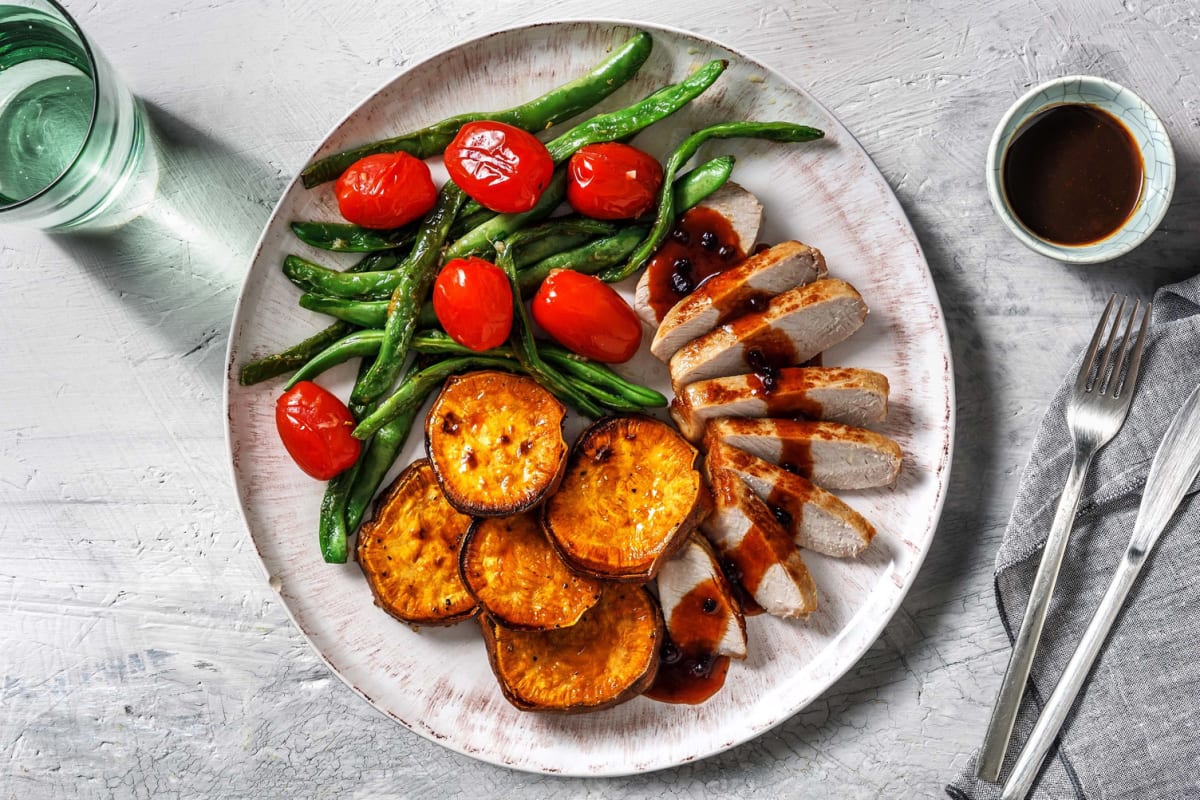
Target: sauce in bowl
x=1072, y=174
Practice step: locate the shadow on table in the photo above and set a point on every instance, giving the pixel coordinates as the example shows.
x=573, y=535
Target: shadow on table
x=1172, y=252
x=178, y=266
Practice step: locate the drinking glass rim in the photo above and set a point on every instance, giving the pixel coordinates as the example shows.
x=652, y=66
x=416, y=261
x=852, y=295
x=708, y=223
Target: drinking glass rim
x=91, y=57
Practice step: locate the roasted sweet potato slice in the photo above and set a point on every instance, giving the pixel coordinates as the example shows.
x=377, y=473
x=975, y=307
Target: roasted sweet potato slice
x=409, y=552
x=608, y=657
x=496, y=442
x=510, y=567
x=630, y=497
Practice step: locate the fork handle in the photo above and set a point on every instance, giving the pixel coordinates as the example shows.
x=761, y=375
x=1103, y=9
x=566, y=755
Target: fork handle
x=1071, y=681
x=1004, y=713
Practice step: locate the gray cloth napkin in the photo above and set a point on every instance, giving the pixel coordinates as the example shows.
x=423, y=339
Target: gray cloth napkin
x=1134, y=732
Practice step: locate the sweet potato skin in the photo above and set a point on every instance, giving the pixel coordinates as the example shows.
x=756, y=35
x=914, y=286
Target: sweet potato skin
x=495, y=441
x=509, y=566
x=630, y=496
x=408, y=552
x=608, y=657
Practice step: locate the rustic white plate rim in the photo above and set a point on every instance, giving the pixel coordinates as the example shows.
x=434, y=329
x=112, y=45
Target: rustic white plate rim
x=868, y=621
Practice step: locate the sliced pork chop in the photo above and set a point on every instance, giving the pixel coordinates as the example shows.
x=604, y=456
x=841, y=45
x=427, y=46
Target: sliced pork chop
x=692, y=584
x=744, y=214
x=838, y=394
x=816, y=519
x=830, y=454
x=794, y=327
x=746, y=287
x=749, y=537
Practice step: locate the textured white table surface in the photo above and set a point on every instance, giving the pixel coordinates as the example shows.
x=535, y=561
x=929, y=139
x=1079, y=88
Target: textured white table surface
x=142, y=652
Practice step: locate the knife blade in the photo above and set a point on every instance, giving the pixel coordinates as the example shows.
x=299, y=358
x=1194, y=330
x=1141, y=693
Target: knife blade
x=1175, y=466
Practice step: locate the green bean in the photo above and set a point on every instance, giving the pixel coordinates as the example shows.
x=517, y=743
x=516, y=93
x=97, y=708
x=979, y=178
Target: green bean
x=374, y=464
x=297, y=355
x=438, y=343
x=698, y=184
x=469, y=220
x=342, y=237
x=598, y=374
x=589, y=258
x=627, y=121
x=413, y=391
x=384, y=259
x=416, y=276
x=363, y=313
x=522, y=339
x=575, y=367
x=567, y=233
x=481, y=240
x=608, y=127
x=377, y=457
x=359, y=344
x=665, y=215
x=373, y=313
x=607, y=399
x=551, y=108
x=586, y=376
x=332, y=531
x=612, y=250
x=427, y=318
x=311, y=276
x=563, y=233
x=367, y=342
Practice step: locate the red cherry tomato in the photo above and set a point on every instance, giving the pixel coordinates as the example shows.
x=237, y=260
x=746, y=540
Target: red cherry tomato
x=502, y=167
x=473, y=300
x=612, y=181
x=386, y=190
x=315, y=428
x=585, y=314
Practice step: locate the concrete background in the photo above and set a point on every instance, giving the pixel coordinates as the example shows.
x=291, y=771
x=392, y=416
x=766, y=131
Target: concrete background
x=142, y=653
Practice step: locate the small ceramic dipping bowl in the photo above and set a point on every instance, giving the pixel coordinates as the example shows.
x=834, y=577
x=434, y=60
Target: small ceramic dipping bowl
x=1158, y=164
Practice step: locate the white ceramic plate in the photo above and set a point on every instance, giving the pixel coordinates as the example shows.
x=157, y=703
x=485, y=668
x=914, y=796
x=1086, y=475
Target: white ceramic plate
x=437, y=681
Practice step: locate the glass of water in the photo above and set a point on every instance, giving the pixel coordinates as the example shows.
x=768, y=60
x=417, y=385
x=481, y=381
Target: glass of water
x=74, y=150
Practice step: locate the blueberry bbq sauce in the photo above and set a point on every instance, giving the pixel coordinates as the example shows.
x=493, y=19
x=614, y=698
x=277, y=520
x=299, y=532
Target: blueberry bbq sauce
x=1073, y=174
x=701, y=244
x=689, y=669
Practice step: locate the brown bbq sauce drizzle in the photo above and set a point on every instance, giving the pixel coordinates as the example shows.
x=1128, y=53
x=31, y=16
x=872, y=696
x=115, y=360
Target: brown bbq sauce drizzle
x=796, y=457
x=743, y=596
x=766, y=374
x=701, y=245
x=689, y=669
x=786, y=509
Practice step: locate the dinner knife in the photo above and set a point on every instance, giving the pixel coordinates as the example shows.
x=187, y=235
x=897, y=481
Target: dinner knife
x=1175, y=466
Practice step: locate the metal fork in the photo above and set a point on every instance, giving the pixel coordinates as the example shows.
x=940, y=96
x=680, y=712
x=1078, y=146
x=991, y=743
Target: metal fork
x=1096, y=410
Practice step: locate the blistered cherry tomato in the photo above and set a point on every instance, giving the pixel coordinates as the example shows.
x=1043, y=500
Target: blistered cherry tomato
x=386, y=190
x=587, y=316
x=473, y=300
x=315, y=428
x=502, y=167
x=612, y=181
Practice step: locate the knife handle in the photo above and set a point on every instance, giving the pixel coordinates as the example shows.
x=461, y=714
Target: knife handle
x=1008, y=701
x=1063, y=697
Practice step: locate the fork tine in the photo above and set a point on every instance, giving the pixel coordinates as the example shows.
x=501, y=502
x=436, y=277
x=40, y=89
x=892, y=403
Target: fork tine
x=1114, y=380
x=1085, y=370
x=1135, y=358
x=1102, y=376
